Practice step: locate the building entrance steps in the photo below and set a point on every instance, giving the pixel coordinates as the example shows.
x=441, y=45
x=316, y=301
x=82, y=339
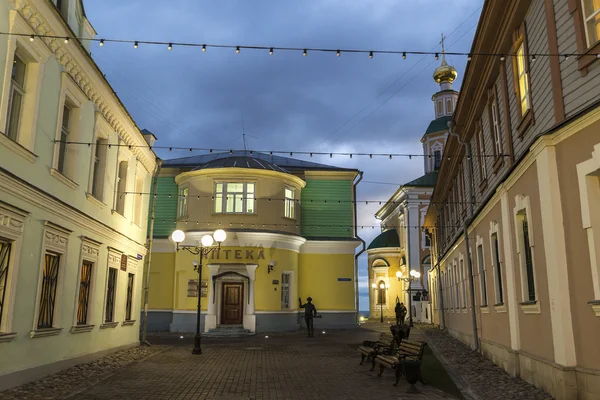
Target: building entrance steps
x=228, y=331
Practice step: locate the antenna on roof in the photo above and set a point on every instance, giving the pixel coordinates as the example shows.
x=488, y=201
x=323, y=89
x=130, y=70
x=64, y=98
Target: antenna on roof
x=243, y=132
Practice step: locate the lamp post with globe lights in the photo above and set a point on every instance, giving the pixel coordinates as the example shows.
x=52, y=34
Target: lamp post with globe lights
x=413, y=275
x=206, y=247
x=381, y=288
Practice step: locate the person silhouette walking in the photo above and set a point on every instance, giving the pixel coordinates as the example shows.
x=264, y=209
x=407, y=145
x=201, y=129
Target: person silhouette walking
x=310, y=311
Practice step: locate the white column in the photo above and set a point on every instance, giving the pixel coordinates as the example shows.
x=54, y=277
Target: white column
x=249, y=316
x=210, y=320
x=556, y=258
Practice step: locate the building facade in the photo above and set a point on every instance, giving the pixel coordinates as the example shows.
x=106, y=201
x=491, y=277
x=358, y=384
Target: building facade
x=403, y=245
x=290, y=234
x=516, y=272
x=71, y=247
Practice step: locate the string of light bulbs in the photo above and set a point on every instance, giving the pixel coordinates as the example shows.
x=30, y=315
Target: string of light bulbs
x=271, y=49
x=274, y=152
x=291, y=225
x=297, y=201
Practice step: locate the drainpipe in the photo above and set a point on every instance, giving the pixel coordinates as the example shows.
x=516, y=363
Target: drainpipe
x=149, y=252
x=364, y=247
x=467, y=222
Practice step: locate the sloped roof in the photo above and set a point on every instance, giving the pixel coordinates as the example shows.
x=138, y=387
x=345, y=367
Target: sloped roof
x=427, y=180
x=440, y=124
x=241, y=162
x=388, y=238
x=285, y=163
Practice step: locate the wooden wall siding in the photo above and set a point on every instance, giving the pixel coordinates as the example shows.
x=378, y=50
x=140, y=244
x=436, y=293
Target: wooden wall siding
x=166, y=208
x=578, y=91
x=330, y=215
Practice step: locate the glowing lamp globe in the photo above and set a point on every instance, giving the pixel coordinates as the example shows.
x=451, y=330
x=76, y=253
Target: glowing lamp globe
x=207, y=240
x=413, y=273
x=382, y=286
x=417, y=274
x=220, y=235
x=374, y=286
x=399, y=274
x=178, y=236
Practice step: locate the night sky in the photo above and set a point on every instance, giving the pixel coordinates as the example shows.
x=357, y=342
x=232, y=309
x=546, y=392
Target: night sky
x=288, y=102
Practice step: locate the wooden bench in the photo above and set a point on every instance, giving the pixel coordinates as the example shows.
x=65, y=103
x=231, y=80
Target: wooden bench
x=386, y=343
x=408, y=350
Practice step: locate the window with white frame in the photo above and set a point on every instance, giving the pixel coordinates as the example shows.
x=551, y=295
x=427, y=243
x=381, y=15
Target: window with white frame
x=235, y=197
x=99, y=168
x=591, y=16
x=5, y=253
x=523, y=79
x=525, y=243
x=440, y=108
x=482, y=272
x=286, y=280
x=290, y=211
x=449, y=106
x=456, y=286
x=496, y=126
x=482, y=157
x=16, y=95
x=495, y=253
x=138, y=202
x=463, y=282
x=182, y=209
x=64, y=138
x=56, y=240
x=111, y=295
x=121, y=187
x=10, y=239
x=129, y=297
x=89, y=250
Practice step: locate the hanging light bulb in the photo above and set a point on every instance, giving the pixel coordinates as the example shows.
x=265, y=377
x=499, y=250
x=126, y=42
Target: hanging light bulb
x=66, y=40
x=338, y=53
x=533, y=58
x=135, y=45
x=204, y=48
x=469, y=57
x=305, y=53
x=437, y=56
x=271, y=51
x=31, y=38
x=371, y=55
x=237, y=50
x=502, y=58
x=170, y=46
x=404, y=56
x=101, y=42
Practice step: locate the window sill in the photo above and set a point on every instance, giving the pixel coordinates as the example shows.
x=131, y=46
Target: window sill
x=60, y=177
x=95, y=201
x=109, y=325
x=118, y=214
x=526, y=121
x=484, y=309
x=289, y=218
x=464, y=310
x=498, y=163
x=45, y=332
x=82, y=328
x=500, y=308
x=216, y=214
x=128, y=323
x=17, y=148
x=588, y=57
x=7, y=337
x=595, y=306
x=530, y=307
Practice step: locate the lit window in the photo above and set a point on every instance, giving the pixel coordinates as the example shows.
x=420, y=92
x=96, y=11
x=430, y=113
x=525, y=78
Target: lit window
x=234, y=197
x=15, y=102
x=591, y=12
x=523, y=78
x=290, y=211
x=183, y=202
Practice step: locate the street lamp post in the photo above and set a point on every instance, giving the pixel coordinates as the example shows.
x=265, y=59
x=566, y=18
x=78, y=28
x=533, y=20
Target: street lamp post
x=381, y=288
x=206, y=247
x=413, y=275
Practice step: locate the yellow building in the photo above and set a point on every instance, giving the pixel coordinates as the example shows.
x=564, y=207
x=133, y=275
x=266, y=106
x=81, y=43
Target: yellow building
x=290, y=234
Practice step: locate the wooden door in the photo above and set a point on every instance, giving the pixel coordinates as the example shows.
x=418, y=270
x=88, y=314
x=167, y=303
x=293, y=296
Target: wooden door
x=232, y=306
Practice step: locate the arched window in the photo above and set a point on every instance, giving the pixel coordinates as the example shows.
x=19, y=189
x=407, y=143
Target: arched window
x=440, y=108
x=380, y=293
x=449, y=106
x=437, y=159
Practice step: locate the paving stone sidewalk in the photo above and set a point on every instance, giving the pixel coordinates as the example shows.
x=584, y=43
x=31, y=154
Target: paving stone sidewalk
x=484, y=380
x=284, y=366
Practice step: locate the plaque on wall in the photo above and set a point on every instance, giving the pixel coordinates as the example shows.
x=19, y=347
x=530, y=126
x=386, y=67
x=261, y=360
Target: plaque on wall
x=193, y=288
x=123, y=262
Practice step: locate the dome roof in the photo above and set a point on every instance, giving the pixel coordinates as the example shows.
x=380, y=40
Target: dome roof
x=241, y=162
x=445, y=72
x=388, y=238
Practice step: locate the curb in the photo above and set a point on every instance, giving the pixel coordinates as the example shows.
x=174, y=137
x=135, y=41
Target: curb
x=111, y=374
x=458, y=380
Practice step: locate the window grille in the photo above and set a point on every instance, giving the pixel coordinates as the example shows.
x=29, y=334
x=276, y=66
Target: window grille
x=129, y=302
x=110, y=295
x=498, y=268
x=84, y=292
x=528, y=262
x=48, y=292
x=482, y=277
x=5, y=248
x=285, y=290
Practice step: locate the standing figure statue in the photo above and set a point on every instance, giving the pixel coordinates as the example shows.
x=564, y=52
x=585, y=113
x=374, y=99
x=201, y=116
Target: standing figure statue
x=310, y=311
x=398, y=311
x=403, y=311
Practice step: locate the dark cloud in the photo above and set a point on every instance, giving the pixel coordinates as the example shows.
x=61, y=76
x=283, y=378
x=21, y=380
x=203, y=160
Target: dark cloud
x=288, y=102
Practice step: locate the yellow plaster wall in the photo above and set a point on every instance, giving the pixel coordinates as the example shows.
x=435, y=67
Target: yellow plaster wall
x=318, y=279
x=161, y=281
x=267, y=296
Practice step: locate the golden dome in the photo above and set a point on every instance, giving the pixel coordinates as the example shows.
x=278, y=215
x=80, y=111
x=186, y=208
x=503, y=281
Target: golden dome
x=445, y=72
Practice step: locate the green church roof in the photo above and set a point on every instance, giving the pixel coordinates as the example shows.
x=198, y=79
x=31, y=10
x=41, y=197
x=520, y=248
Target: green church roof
x=427, y=180
x=440, y=124
x=388, y=238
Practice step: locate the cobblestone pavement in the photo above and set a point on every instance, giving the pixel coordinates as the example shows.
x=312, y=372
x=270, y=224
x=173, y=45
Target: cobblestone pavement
x=66, y=382
x=485, y=379
x=282, y=366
